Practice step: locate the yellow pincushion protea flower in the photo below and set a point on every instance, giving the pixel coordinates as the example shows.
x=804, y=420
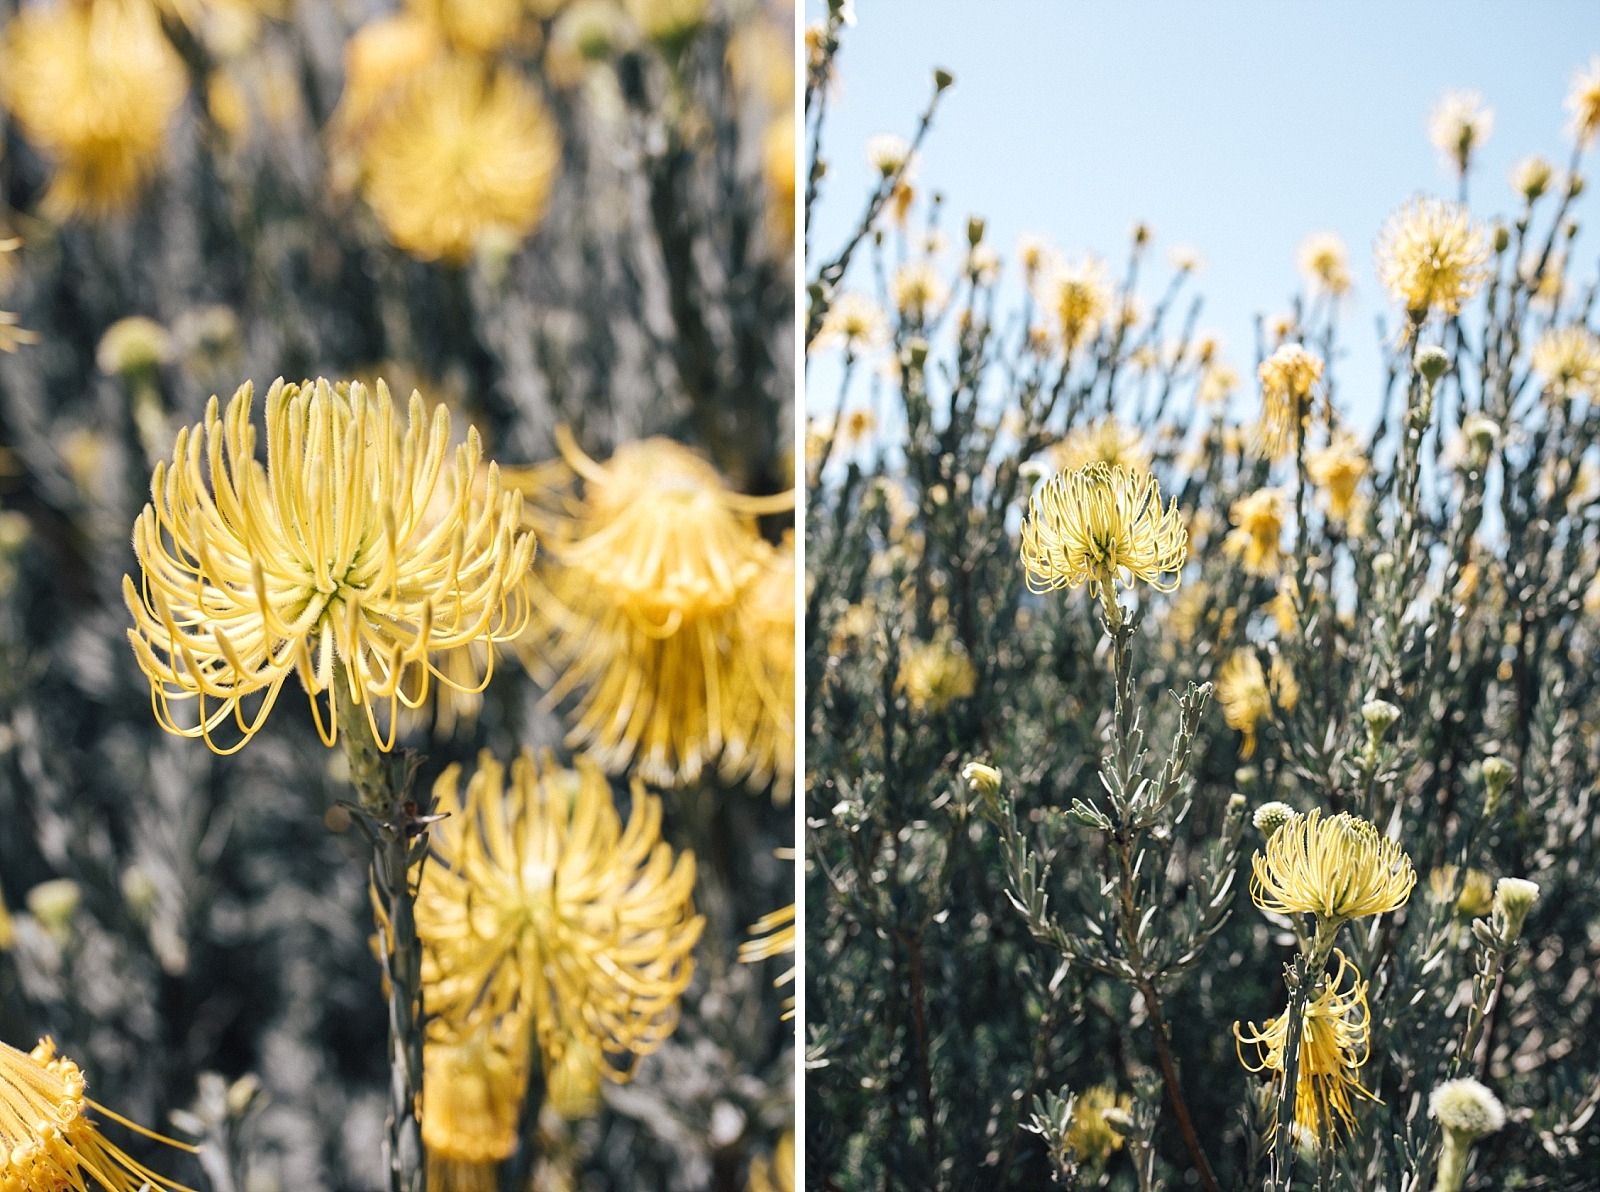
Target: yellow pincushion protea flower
x=776, y=1174
x=1091, y=1137
x=936, y=674
x=1106, y=441
x=94, y=86
x=467, y=152
x=1247, y=694
x=1569, y=360
x=539, y=903
x=344, y=554
x=1287, y=379
x=1583, y=101
x=1431, y=257
x=1103, y=524
x=47, y=1141
x=1257, y=532
x=1337, y=470
x=1333, y=1047
x=480, y=26
x=1325, y=263
x=1078, y=296
x=638, y=607
x=474, y=1081
x=1335, y=868
x=758, y=732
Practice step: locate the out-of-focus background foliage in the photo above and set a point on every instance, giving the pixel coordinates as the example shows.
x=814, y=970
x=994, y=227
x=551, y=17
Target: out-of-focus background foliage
x=174, y=914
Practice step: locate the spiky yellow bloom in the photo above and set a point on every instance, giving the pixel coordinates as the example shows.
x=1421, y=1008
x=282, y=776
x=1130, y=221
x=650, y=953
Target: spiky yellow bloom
x=1336, y=868
x=1287, y=378
x=1477, y=891
x=1458, y=124
x=1257, y=519
x=1217, y=383
x=1247, y=694
x=48, y=1142
x=934, y=675
x=1106, y=441
x=1090, y=1136
x=93, y=85
x=773, y=935
x=343, y=554
x=467, y=152
x=1569, y=360
x=918, y=291
x=540, y=904
x=1431, y=257
x=1103, y=524
x=474, y=1079
x=1337, y=470
x=1325, y=263
x=1079, y=296
x=776, y=1174
x=638, y=606
x=855, y=322
x=1333, y=1048
x=1583, y=101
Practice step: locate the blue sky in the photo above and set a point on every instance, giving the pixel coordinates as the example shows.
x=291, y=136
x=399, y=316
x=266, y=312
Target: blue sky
x=1233, y=128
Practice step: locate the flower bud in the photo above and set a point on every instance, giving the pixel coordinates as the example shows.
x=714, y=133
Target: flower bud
x=131, y=346
x=1513, y=899
x=1482, y=434
x=1380, y=716
x=984, y=782
x=1269, y=817
x=975, y=228
x=1502, y=237
x=54, y=903
x=916, y=354
x=1531, y=177
x=138, y=892
x=1575, y=185
x=1497, y=774
x=943, y=80
x=1383, y=564
x=1432, y=363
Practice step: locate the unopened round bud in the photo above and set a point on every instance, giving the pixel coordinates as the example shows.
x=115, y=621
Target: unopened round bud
x=1383, y=563
x=974, y=230
x=943, y=79
x=1467, y=1108
x=133, y=345
x=1575, y=185
x=1269, y=817
x=54, y=903
x=1513, y=899
x=1531, y=177
x=1380, y=716
x=1482, y=432
x=1118, y=1121
x=1141, y=233
x=138, y=892
x=1432, y=363
x=1502, y=237
x=1497, y=774
x=984, y=780
x=916, y=353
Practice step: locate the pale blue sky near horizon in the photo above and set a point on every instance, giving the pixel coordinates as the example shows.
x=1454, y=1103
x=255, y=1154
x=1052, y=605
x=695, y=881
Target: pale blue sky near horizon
x=1233, y=128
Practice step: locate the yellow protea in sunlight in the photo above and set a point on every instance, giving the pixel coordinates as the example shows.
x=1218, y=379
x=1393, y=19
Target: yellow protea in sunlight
x=93, y=86
x=1288, y=377
x=474, y=1079
x=918, y=291
x=468, y=152
x=1257, y=532
x=1431, y=257
x=1106, y=441
x=1104, y=524
x=1336, y=868
x=1477, y=891
x=936, y=674
x=773, y=935
x=538, y=903
x=1248, y=694
x=1569, y=360
x=638, y=606
x=349, y=557
x=48, y=1142
x=1325, y=263
x=1091, y=1137
x=1337, y=470
x=1333, y=1047
x=1078, y=295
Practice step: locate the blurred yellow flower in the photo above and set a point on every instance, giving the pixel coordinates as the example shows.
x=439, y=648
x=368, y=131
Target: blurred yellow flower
x=11, y=336
x=1103, y=524
x=936, y=674
x=539, y=904
x=1531, y=176
x=1079, y=296
x=93, y=85
x=1477, y=890
x=1325, y=263
x=758, y=733
x=855, y=322
x=1336, y=868
x=1569, y=360
x=1288, y=377
x=776, y=1174
x=773, y=935
x=1458, y=124
x=1583, y=101
x=669, y=23
x=475, y=1075
x=1431, y=257
x=480, y=26
x=378, y=60
x=1106, y=441
x=1247, y=694
x=1337, y=470
x=1217, y=383
x=1258, y=519
x=343, y=555
x=777, y=159
x=918, y=291
x=468, y=152
x=637, y=606
x=1091, y=1137
x=47, y=1141
x=1333, y=1048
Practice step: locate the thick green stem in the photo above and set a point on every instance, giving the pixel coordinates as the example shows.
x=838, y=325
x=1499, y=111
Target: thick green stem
x=1452, y=1163
x=399, y=840
x=1302, y=981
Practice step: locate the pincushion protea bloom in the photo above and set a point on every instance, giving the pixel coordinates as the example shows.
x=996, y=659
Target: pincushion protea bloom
x=541, y=904
x=475, y=1079
x=1336, y=868
x=1287, y=379
x=341, y=556
x=1333, y=1048
x=47, y=1141
x=93, y=85
x=1102, y=523
x=1430, y=257
x=639, y=603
